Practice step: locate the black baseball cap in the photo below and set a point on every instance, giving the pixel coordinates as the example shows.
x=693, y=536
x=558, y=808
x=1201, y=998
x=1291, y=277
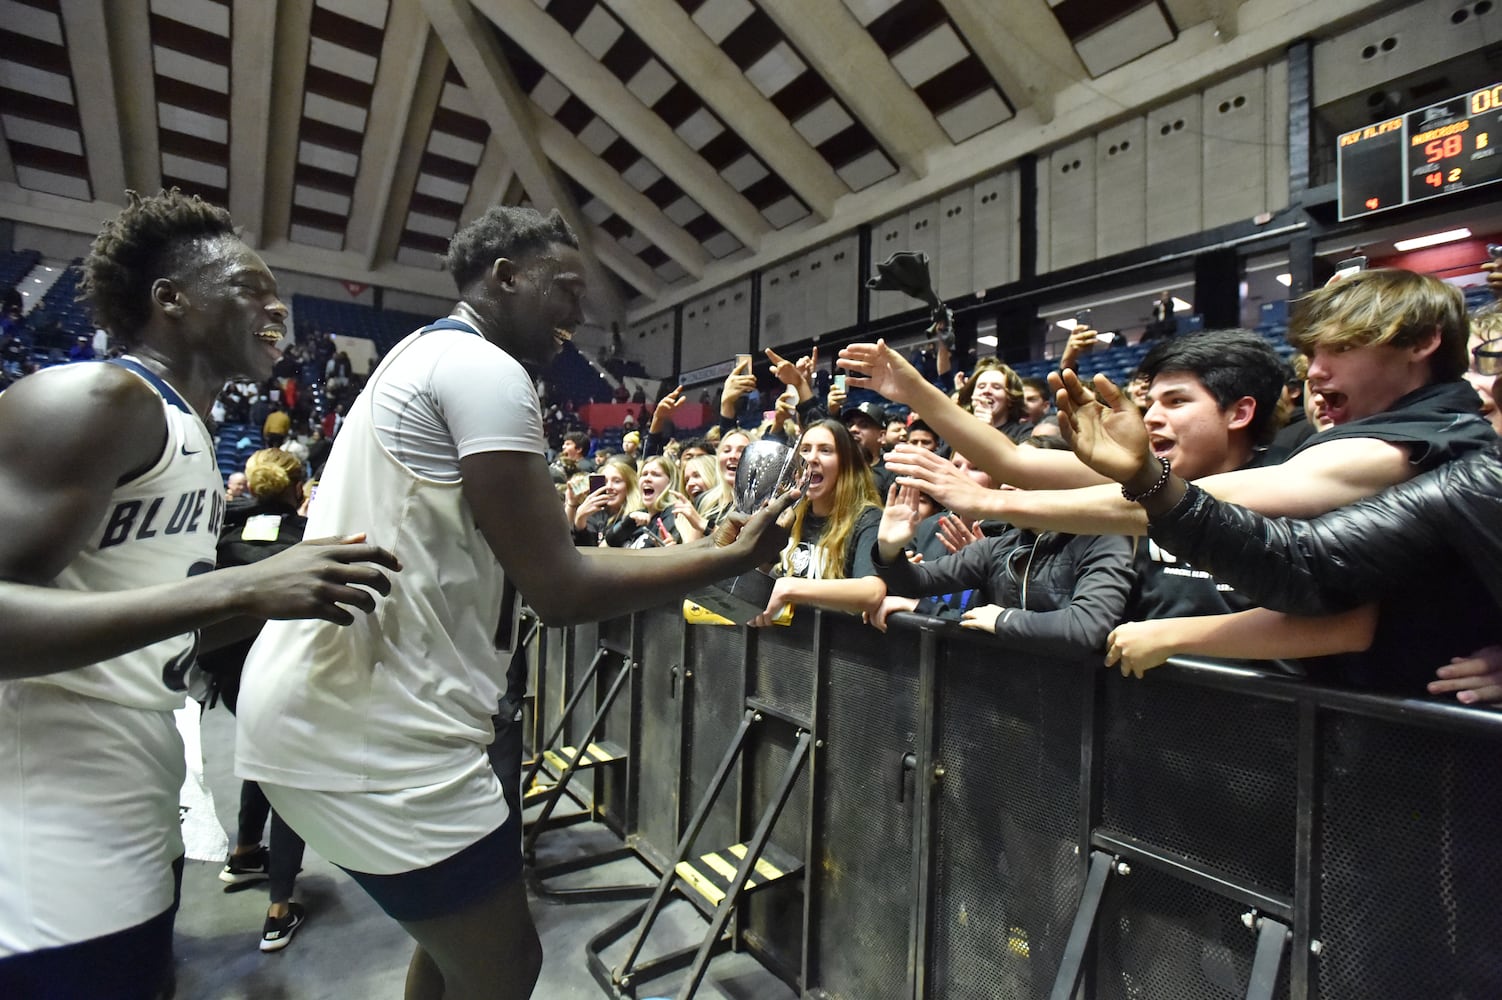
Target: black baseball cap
x=869, y=410
x=919, y=424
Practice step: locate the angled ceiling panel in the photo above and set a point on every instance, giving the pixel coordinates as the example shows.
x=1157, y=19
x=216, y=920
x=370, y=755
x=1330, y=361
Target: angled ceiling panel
x=772, y=64
x=645, y=77
x=445, y=175
x=344, y=51
x=933, y=57
x=631, y=61
x=1111, y=33
x=38, y=104
x=190, y=46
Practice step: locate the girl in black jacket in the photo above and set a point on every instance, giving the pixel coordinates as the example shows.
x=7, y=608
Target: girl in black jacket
x=1054, y=594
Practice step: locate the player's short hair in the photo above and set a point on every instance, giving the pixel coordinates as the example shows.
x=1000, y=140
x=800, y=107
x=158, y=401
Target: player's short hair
x=512, y=231
x=149, y=239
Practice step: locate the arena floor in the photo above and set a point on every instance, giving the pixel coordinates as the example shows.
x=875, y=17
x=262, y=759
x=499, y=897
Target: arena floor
x=350, y=949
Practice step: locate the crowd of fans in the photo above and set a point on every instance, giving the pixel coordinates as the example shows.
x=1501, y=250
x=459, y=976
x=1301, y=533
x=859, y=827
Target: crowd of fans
x=1214, y=403
x=955, y=495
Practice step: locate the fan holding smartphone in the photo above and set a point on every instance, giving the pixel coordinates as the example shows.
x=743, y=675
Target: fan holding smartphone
x=1350, y=266
x=1493, y=269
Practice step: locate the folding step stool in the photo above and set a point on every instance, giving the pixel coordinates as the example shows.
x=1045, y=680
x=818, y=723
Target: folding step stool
x=714, y=882
x=547, y=778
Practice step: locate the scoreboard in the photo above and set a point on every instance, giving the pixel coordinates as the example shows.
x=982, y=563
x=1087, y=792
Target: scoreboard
x=1446, y=147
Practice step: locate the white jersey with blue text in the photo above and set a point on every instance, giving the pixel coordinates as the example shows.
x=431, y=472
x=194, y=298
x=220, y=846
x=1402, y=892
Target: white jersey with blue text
x=93, y=761
x=160, y=527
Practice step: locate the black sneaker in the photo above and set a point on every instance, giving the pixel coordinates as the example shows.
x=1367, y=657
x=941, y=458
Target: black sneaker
x=277, y=933
x=243, y=869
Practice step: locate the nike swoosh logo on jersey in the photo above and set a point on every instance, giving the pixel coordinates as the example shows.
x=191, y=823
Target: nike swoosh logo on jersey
x=187, y=452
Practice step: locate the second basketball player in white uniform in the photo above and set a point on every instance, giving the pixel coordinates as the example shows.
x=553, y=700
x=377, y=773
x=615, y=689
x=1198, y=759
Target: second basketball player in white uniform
x=370, y=741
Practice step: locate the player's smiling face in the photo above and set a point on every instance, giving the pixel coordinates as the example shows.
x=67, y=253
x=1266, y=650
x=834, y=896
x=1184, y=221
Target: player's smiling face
x=549, y=304
x=231, y=307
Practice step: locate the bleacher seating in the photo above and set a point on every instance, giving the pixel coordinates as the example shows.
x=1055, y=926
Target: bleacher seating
x=572, y=377
x=1119, y=363
x=1273, y=314
x=351, y=319
x=16, y=264
x=1477, y=296
x=59, y=317
x=228, y=451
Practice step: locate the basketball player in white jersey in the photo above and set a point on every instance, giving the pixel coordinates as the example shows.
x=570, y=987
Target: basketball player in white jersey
x=370, y=741
x=110, y=503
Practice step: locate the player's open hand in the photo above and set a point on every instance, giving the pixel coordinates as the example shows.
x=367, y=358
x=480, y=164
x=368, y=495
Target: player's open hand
x=322, y=578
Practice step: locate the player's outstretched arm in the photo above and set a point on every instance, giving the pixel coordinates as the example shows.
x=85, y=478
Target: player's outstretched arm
x=878, y=367
x=518, y=511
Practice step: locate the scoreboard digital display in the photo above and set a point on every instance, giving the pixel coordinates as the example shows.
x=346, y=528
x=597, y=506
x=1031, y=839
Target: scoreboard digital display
x=1446, y=147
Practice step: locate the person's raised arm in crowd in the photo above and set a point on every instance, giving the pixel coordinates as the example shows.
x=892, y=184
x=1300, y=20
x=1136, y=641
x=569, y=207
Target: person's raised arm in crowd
x=878, y=367
x=800, y=376
x=662, y=423
x=1386, y=351
x=784, y=424
x=1335, y=562
x=738, y=384
x=1082, y=340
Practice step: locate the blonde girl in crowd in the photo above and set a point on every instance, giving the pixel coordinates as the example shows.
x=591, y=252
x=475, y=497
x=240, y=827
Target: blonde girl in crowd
x=600, y=518
x=700, y=475
x=718, y=500
x=657, y=483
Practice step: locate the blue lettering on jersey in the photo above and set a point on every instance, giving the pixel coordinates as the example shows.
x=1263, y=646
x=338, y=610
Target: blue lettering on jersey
x=128, y=523
x=175, y=673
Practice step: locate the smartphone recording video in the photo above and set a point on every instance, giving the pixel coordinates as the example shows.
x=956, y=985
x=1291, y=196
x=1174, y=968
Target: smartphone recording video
x=1350, y=266
x=596, y=482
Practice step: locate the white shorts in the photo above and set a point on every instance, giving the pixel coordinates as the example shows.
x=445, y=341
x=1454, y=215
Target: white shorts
x=88, y=815
x=391, y=832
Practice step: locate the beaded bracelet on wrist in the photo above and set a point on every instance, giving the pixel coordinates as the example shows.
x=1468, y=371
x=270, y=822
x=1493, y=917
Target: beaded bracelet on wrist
x=1154, y=488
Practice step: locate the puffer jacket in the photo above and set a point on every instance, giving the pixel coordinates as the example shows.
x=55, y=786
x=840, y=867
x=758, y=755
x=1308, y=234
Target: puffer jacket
x=1355, y=554
x=1062, y=593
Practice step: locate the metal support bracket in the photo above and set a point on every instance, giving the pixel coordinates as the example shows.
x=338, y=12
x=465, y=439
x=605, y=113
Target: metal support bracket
x=1073, y=964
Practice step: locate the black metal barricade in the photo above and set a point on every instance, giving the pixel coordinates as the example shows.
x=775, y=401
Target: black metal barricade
x=974, y=821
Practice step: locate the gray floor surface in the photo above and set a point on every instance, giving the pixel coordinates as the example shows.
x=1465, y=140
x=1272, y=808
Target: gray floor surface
x=350, y=950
